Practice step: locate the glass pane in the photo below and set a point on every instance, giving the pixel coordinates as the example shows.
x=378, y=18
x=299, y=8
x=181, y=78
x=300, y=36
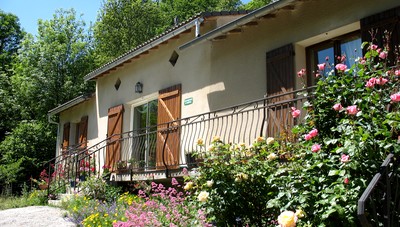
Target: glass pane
x=325, y=56
x=352, y=50
x=153, y=107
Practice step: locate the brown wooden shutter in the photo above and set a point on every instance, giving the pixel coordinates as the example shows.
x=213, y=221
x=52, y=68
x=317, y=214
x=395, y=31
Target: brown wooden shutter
x=83, y=127
x=114, y=130
x=379, y=23
x=169, y=110
x=280, y=79
x=65, y=142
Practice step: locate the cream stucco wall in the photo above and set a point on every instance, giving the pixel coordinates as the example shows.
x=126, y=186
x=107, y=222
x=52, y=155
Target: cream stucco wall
x=73, y=115
x=217, y=74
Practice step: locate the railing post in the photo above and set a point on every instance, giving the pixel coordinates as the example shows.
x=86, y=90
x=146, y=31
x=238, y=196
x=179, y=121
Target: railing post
x=163, y=152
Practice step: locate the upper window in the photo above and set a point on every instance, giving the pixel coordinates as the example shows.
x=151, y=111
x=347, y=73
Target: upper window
x=331, y=53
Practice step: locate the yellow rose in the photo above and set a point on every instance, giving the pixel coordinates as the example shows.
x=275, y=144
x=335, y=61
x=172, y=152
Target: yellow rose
x=270, y=140
x=272, y=156
x=203, y=196
x=200, y=142
x=216, y=139
x=188, y=186
x=260, y=139
x=241, y=177
x=300, y=213
x=210, y=183
x=287, y=219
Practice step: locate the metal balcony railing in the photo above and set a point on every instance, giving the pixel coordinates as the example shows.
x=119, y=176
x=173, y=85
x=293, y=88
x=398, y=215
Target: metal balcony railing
x=168, y=147
x=379, y=205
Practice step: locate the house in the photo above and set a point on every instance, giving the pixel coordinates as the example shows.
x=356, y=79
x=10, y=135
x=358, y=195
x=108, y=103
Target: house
x=231, y=74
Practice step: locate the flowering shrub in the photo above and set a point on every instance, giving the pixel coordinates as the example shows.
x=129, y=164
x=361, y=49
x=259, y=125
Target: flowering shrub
x=161, y=206
x=352, y=123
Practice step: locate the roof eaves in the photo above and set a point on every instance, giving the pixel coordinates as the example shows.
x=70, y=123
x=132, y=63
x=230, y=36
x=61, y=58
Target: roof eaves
x=241, y=21
x=70, y=103
x=176, y=30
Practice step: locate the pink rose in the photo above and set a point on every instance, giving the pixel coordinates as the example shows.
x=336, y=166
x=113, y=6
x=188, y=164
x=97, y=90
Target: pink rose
x=315, y=148
x=383, y=55
x=313, y=133
x=379, y=50
x=363, y=61
x=341, y=67
x=346, y=180
x=295, y=112
x=374, y=47
x=369, y=84
x=352, y=110
x=395, y=97
x=397, y=72
x=307, y=137
x=345, y=158
x=372, y=80
x=337, y=106
x=327, y=58
x=301, y=73
x=321, y=66
x=317, y=75
x=381, y=81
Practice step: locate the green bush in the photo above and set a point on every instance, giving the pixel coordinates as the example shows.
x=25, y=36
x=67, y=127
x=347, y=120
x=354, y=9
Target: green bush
x=352, y=124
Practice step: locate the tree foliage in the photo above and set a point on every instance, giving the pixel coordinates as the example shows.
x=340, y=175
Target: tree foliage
x=51, y=67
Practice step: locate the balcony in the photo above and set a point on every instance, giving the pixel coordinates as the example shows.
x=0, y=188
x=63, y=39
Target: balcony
x=164, y=151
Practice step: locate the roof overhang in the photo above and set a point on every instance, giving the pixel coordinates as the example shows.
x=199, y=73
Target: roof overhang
x=70, y=103
x=242, y=21
x=144, y=48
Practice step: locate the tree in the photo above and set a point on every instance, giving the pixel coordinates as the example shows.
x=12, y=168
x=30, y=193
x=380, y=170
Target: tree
x=11, y=35
x=255, y=4
x=51, y=67
x=125, y=24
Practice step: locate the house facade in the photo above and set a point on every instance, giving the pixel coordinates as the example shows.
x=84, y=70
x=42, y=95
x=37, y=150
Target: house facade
x=154, y=102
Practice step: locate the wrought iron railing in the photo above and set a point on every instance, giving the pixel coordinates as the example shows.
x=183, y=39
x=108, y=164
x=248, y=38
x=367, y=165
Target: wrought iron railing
x=379, y=205
x=167, y=147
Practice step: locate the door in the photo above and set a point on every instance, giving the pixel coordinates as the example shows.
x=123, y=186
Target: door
x=114, y=130
x=65, y=143
x=280, y=80
x=83, y=127
x=168, y=132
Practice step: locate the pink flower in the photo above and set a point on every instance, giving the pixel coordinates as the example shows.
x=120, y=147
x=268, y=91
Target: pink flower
x=395, y=97
x=337, y=106
x=374, y=47
x=369, y=84
x=383, y=55
x=295, y=112
x=345, y=158
x=174, y=181
x=379, y=50
x=307, y=137
x=397, y=72
x=321, y=66
x=352, y=110
x=313, y=133
x=346, y=180
x=317, y=75
x=301, y=73
x=363, y=61
x=327, y=58
x=341, y=67
x=372, y=80
x=342, y=58
x=381, y=81
x=315, y=148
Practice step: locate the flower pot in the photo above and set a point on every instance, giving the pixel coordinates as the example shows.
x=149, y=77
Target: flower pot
x=43, y=186
x=72, y=183
x=82, y=177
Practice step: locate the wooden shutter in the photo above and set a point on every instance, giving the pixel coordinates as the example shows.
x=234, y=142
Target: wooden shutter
x=379, y=23
x=280, y=80
x=114, y=130
x=169, y=110
x=65, y=143
x=83, y=127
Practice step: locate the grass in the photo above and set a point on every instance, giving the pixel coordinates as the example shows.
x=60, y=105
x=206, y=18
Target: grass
x=32, y=198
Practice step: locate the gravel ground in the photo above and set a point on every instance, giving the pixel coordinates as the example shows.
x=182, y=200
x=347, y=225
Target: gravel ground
x=34, y=216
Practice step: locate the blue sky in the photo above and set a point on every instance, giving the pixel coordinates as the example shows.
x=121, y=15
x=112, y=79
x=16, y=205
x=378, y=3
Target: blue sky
x=29, y=11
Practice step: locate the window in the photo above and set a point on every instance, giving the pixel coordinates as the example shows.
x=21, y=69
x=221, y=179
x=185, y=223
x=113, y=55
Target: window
x=145, y=127
x=330, y=52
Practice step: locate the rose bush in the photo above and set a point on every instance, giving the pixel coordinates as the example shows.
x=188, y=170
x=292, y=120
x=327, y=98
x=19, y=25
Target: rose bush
x=351, y=125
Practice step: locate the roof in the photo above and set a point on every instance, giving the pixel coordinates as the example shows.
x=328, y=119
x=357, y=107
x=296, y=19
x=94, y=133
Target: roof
x=168, y=34
x=242, y=21
x=70, y=103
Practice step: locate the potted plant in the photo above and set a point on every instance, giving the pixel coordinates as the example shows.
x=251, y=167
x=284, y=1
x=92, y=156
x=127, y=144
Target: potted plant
x=122, y=165
x=136, y=164
x=43, y=182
